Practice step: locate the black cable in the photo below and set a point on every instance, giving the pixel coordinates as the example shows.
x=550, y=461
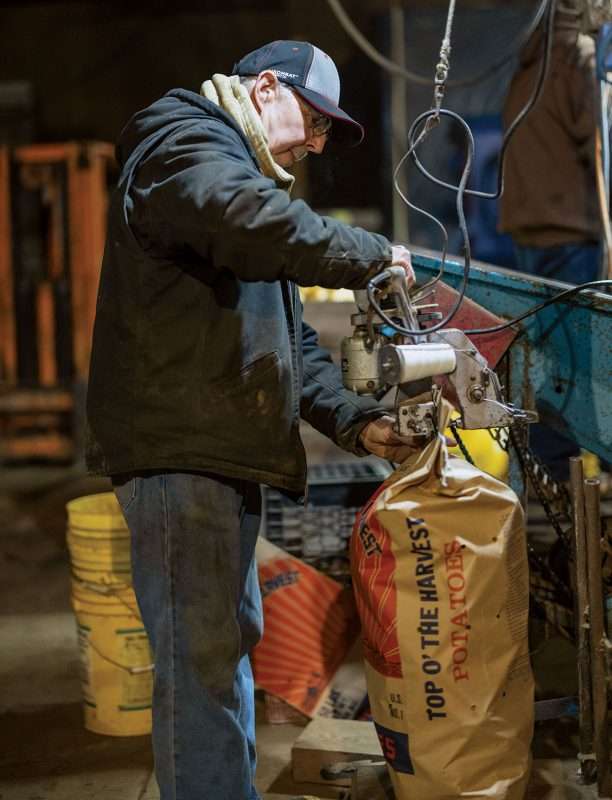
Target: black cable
x=426, y=214
x=423, y=119
x=549, y=40
x=556, y=299
x=416, y=135
x=481, y=331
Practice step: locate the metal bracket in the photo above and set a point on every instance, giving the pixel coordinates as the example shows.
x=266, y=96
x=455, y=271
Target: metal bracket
x=477, y=388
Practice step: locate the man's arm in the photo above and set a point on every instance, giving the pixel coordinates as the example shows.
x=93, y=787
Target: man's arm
x=201, y=190
x=333, y=410
x=359, y=425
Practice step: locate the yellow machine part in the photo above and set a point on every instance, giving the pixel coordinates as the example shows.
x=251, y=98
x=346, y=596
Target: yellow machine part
x=485, y=450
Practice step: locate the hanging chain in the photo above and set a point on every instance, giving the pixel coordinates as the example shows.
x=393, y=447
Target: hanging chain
x=555, y=602
x=501, y=436
x=555, y=500
x=553, y=496
x=441, y=74
x=548, y=491
x=462, y=446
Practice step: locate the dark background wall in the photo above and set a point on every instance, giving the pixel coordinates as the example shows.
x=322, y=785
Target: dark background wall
x=91, y=65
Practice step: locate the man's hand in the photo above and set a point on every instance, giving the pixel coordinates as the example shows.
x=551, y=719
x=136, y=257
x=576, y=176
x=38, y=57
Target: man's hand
x=378, y=437
x=400, y=257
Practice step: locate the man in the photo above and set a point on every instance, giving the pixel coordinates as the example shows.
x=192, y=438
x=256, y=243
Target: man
x=549, y=204
x=201, y=367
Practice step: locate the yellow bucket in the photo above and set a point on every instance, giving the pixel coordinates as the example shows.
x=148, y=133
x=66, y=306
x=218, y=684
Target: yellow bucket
x=116, y=661
x=99, y=540
x=97, y=513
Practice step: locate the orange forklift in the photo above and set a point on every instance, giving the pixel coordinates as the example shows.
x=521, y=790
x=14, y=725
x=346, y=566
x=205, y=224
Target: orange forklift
x=53, y=201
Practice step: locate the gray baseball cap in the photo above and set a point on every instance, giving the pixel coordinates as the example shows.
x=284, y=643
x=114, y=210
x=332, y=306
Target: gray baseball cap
x=312, y=74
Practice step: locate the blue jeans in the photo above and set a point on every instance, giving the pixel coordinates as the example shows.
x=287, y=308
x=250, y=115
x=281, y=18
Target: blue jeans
x=195, y=578
x=571, y=263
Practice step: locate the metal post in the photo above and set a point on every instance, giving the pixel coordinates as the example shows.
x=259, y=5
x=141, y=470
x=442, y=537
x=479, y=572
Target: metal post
x=597, y=637
x=8, y=330
x=587, y=762
x=399, y=117
x=520, y=394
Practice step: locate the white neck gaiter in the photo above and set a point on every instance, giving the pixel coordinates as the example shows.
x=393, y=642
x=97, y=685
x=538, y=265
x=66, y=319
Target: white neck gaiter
x=230, y=95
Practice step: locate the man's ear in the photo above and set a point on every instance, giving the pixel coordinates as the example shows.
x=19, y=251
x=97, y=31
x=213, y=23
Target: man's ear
x=266, y=88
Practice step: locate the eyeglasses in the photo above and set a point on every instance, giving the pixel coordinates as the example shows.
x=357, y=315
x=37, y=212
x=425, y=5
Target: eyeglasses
x=319, y=124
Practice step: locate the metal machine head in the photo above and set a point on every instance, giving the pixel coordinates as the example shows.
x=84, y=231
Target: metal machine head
x=388, y=350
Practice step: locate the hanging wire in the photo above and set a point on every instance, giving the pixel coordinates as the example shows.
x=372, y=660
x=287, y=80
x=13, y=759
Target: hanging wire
x=416, y=137
x=360, y=40
x=419, y=129
x=537, y=93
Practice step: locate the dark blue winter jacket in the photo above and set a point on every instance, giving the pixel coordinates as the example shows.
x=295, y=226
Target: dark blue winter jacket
x=200, y=357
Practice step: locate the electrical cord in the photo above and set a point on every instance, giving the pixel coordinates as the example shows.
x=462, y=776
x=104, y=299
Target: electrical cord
x=429, y=120
x=421, y=127
x=520, y=42
x=415, y=139
x=390, y=66
x=558, y=298
x=426, y=214
x=536, y=309
x=415, y=136
x=549, y=39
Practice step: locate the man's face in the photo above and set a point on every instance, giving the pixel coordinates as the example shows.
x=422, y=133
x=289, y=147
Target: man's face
x=292, y=126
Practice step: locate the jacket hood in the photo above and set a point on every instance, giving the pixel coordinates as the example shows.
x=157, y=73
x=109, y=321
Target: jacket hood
x=158, y=120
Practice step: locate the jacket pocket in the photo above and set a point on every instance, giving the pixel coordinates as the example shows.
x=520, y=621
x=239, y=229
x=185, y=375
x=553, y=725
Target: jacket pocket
x=249, y=419
x=250, y=376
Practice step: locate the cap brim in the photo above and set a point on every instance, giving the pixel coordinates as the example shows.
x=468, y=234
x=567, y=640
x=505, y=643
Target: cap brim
x=345, y=129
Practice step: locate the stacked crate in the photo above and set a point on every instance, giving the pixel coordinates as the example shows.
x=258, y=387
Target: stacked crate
x=319, y=531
